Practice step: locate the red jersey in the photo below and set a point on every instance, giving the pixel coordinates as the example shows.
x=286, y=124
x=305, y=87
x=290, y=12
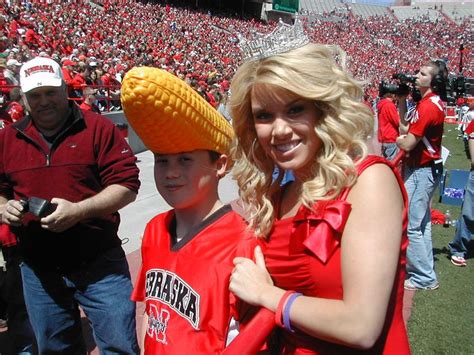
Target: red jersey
x=388, y=121
x=428, y=122
x=186, y=285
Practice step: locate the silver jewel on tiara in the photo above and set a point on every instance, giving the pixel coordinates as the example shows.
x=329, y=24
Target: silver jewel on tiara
x=282, y=39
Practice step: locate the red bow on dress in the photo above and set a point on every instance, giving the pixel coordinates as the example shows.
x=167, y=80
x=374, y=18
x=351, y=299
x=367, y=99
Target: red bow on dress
x=319, y=229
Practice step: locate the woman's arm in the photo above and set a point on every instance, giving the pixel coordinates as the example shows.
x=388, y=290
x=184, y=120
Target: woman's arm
x=369, y=257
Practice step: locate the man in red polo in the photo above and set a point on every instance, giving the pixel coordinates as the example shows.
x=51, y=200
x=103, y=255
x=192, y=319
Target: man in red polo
x=423, y=169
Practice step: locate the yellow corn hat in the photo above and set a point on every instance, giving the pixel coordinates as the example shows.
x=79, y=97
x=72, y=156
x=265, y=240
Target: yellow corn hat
x=169, y=116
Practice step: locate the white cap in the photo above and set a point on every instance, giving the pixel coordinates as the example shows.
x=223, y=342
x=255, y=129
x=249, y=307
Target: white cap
x=40, y=72
x=13, y=62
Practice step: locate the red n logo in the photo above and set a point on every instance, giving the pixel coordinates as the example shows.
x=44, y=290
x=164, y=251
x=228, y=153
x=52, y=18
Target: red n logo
x=157, y=323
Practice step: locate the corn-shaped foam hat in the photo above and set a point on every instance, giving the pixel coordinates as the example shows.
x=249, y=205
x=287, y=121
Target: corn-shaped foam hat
x=169, y=116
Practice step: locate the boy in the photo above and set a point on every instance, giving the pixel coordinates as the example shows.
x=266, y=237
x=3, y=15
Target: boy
x=187, y=252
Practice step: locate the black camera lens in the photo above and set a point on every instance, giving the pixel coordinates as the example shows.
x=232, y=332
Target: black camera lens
x=404, y=78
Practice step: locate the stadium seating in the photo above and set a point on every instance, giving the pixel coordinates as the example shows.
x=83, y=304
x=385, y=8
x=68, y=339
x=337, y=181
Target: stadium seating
x=379, y=40
x=367, y=11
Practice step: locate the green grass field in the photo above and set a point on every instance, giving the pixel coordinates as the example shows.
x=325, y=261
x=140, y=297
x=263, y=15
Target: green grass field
x=442, y=321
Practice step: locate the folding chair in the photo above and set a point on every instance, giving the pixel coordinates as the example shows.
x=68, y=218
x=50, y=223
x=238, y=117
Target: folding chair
x=452, y=184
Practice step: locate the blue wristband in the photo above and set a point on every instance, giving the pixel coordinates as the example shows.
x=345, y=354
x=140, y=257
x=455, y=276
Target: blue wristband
x=286, y=311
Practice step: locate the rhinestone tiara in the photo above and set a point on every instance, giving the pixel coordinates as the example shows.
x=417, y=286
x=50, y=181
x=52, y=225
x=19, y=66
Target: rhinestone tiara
x=282, y=39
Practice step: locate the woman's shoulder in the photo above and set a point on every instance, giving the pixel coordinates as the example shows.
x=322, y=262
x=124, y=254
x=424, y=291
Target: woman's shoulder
x=377, y=177
x=378, y=171
x=371, y=160
x=372, y=172
x=375, y=164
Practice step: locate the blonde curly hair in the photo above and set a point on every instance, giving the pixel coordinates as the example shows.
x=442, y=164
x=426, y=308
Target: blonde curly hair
x=311, y=72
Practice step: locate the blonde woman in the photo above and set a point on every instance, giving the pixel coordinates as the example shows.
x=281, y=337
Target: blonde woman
x=332, y=267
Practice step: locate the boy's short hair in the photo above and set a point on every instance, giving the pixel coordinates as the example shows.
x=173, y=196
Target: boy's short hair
x=214, y=156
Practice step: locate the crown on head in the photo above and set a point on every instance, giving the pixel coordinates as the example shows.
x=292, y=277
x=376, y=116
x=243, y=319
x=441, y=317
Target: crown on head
x=282, y=39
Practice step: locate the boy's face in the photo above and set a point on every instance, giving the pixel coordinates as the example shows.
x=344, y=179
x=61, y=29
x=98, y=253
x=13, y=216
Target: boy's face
x=188, y=180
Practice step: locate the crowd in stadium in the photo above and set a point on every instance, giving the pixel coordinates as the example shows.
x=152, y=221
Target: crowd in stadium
x=305, y=118
x=97, y=46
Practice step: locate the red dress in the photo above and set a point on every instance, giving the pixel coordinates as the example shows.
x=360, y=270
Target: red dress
x=303, y=254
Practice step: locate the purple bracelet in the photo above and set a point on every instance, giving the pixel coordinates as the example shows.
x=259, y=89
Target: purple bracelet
x=286, y=311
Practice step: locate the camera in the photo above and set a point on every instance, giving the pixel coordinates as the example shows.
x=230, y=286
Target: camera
x=37, y=206
x=404, y=78
x=458, y=86
x=401, y=88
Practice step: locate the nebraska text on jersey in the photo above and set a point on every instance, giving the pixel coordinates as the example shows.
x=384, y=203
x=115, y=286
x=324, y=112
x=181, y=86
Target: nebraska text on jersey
x=170, y=289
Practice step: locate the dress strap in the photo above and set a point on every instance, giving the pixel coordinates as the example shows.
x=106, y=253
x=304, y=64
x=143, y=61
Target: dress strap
x=364, y=164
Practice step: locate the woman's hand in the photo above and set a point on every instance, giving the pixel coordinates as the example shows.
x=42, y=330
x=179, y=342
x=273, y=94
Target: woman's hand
x=250, y=281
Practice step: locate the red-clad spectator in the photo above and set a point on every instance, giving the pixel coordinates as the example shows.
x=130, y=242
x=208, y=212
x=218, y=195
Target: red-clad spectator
x=79, y=80
x=5, y=118
x=225, y=85
x=15, y=24
x=67, y=68
x=211, y=99
x=32, y=39
x=89, y=99
x=12, y=71
x=4, y=89
x=108, y=79
x=388, y=124
x=10, y=108
x=189, y=42
x=14, y=109
x=93, y=78
x=3, y=27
